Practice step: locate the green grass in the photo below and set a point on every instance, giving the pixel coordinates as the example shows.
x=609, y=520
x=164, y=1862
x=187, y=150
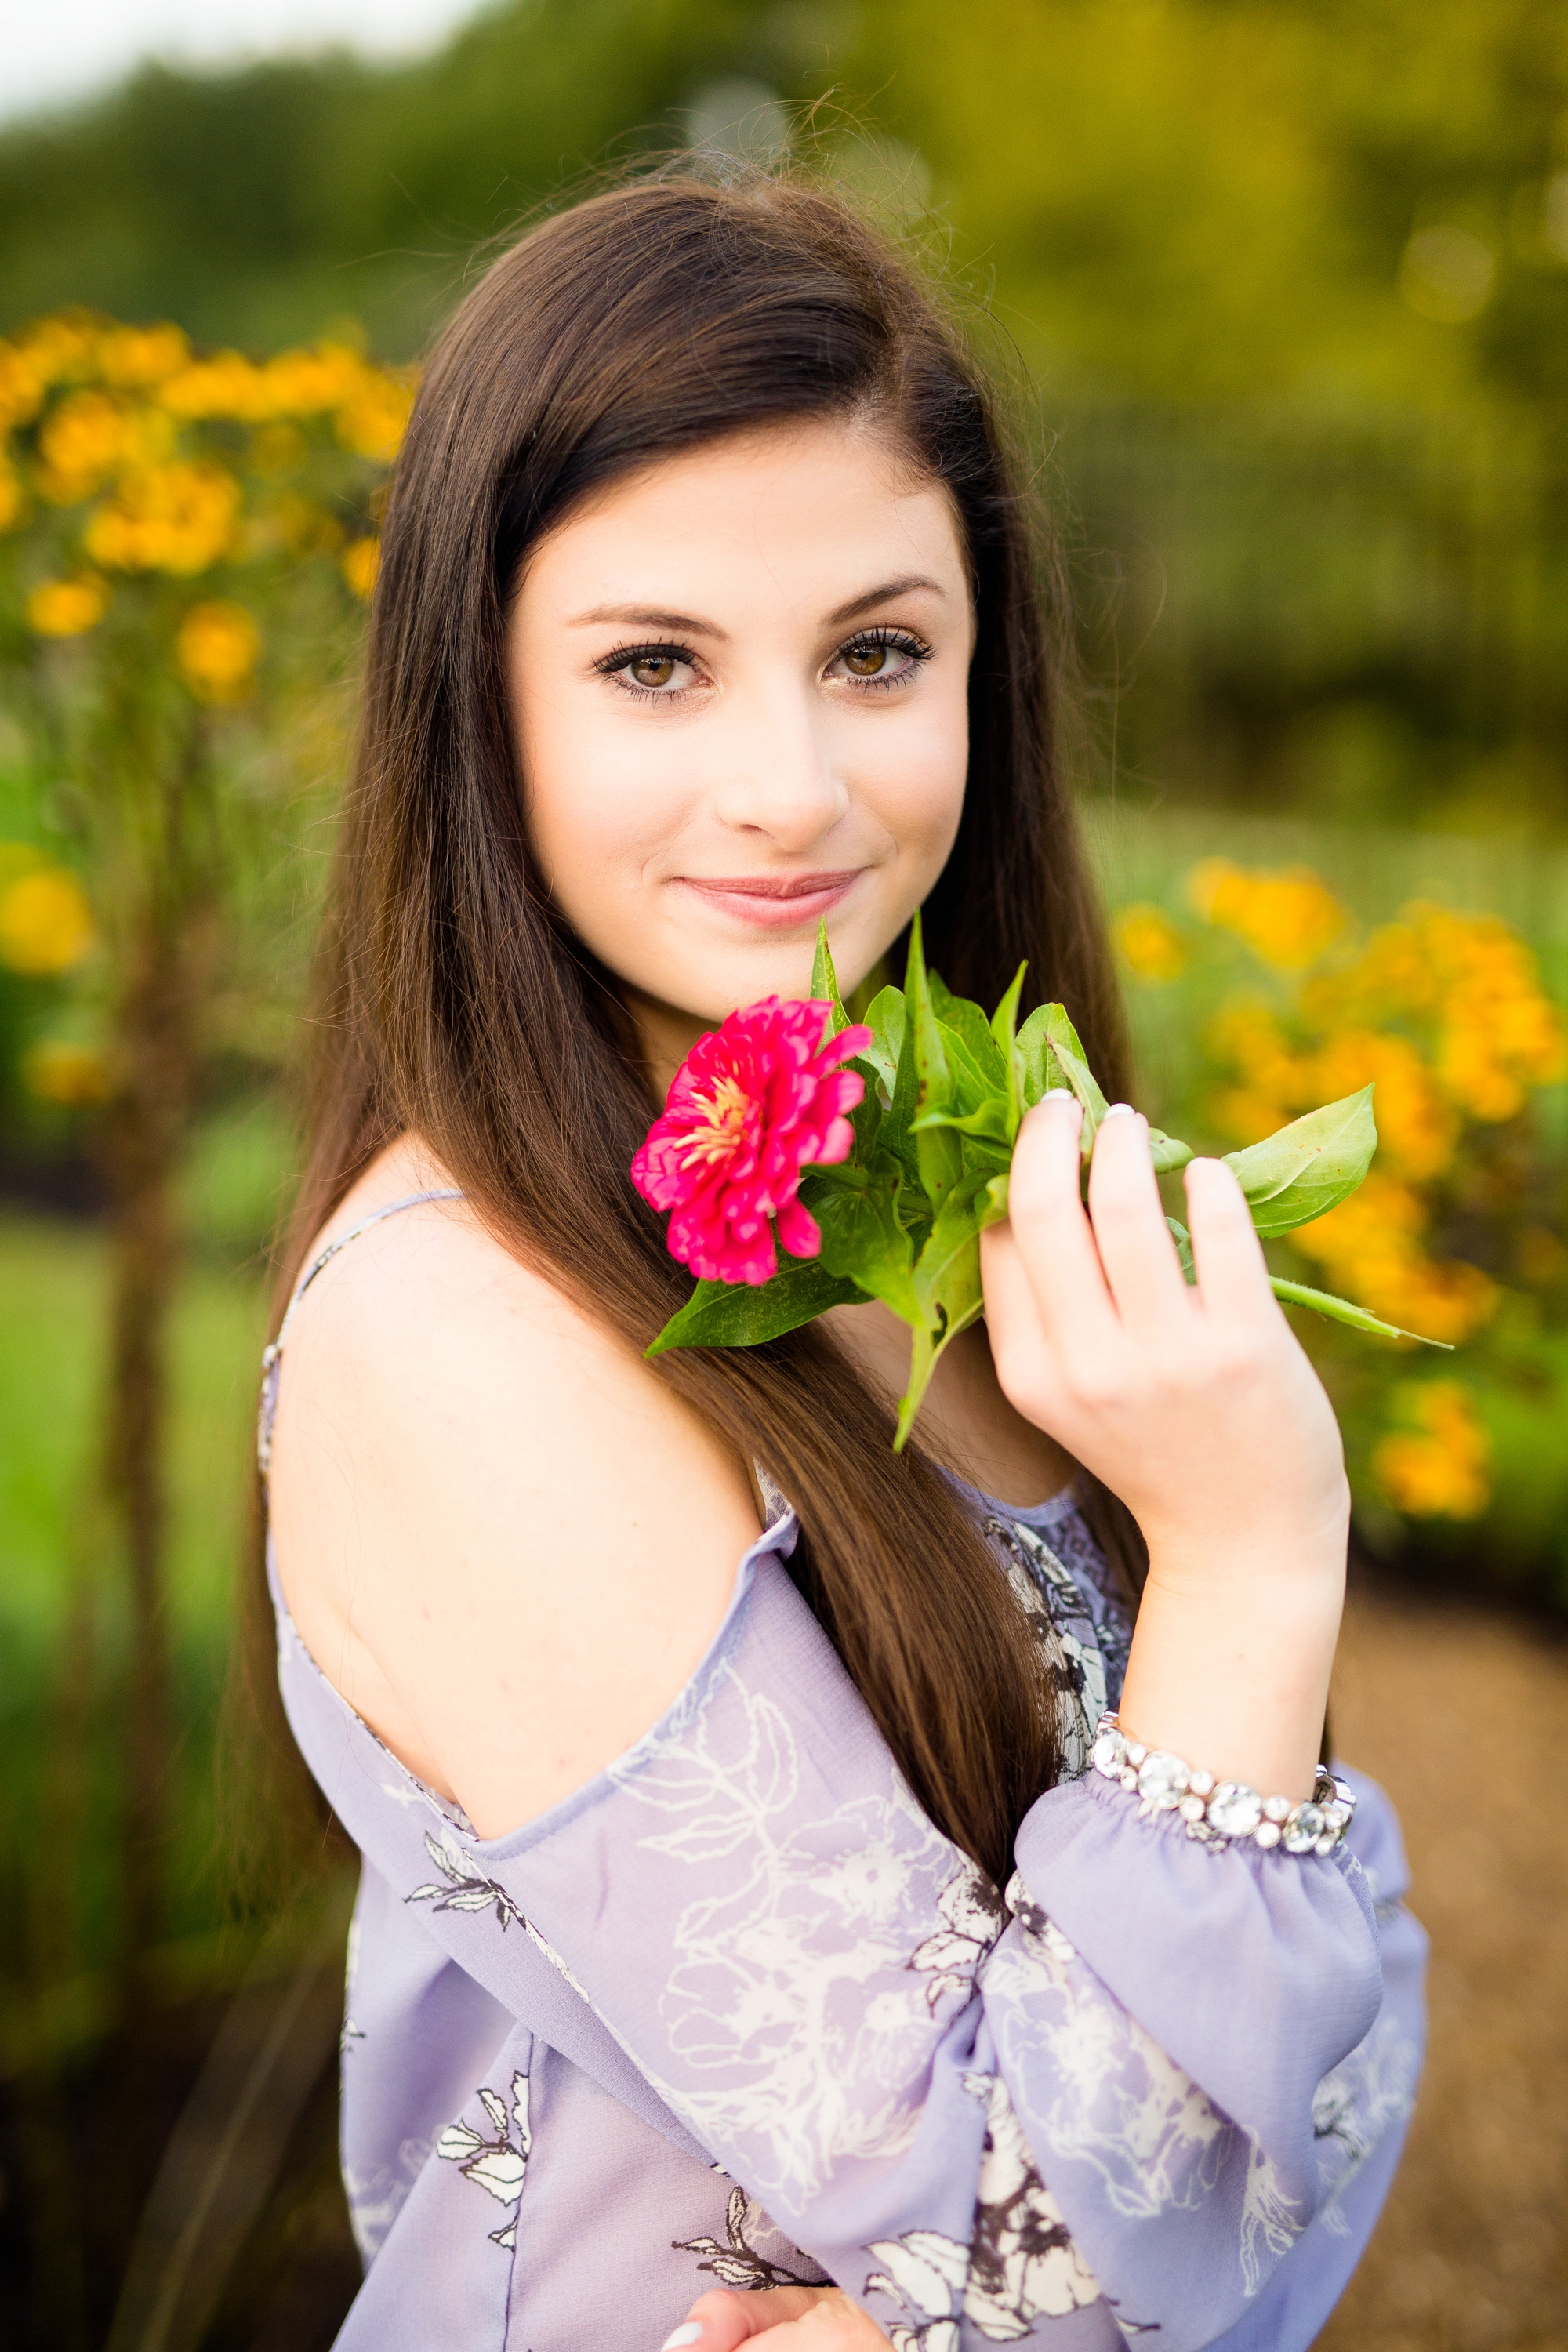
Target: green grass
x=53, y=1305
x=63, y=1616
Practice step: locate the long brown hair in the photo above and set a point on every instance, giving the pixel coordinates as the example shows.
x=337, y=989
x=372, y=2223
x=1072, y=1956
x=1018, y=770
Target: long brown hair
x=458, y=1006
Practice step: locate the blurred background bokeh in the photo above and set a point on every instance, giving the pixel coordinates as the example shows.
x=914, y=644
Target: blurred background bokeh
x=1280, y=289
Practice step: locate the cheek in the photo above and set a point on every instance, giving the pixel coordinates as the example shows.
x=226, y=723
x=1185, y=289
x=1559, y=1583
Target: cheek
x=598, y=797
x=911, y=776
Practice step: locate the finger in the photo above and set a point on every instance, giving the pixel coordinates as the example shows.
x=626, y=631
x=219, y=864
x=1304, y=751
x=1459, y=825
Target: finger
x=1052, y=1234
x=1136, y=1248
x=1025, y=1363
x=1233, y=1277
x=720, y=2319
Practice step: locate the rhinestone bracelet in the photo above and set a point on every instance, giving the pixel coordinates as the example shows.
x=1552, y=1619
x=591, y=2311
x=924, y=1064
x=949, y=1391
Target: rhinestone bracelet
x=1220, y=1813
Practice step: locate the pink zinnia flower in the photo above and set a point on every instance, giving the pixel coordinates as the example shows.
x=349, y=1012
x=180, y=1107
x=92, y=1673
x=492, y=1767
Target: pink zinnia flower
x=755, y=1103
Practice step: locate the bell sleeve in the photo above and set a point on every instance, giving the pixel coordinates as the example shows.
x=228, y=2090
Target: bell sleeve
x=1155, y=2089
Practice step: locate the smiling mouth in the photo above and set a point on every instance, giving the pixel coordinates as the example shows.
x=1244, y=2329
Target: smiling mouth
x=774, y=900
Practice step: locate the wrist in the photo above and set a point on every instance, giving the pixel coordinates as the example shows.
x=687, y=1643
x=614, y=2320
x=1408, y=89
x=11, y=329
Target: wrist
x=1230, y=1663
x=1271, y=1552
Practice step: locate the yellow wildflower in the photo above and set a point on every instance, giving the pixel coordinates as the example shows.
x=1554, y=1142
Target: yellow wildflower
x=1287, y=918
x=178, y=517
x=81, y=442
x=1473, y=991
x=1438, y=1465
x=1274, y=1083
x=21, y=385
x=72, y=1076
x=1417, y=1129
x=226, y=385
x=45, y=923
x=67, y=608
x=372, y=421
x=216, y=648
x=1152, y=946
x=140, y=356
x=63, y=349
x=1372, y=1248
x=360, y=562
x=303, y=383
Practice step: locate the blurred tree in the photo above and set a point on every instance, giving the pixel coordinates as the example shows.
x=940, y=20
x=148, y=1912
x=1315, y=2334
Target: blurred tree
x=1294, y=272
x=264, y=204
x=188, y=540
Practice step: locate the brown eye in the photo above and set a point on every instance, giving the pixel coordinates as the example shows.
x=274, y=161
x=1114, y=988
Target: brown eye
x=866, y=661
x=652, y=669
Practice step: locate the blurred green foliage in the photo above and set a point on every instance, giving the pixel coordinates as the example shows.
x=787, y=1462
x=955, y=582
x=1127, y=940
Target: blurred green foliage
x=1292, y=274
x=1195, y=201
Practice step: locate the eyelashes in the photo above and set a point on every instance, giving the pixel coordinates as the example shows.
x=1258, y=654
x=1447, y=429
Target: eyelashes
x=873, y=642
x=865, y=646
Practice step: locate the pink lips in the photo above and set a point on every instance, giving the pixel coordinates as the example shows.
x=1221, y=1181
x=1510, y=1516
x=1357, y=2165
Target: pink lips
x=774, y=901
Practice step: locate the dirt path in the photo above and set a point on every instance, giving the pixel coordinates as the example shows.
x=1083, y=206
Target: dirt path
x=1464, y=1717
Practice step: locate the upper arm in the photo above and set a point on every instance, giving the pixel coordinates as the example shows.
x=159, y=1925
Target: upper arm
x=499, y=1534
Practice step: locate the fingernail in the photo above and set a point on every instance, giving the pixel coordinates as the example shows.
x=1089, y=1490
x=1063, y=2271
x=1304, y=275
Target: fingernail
x=689, y=2332
x=1118, y=1110
x=1058, y=1094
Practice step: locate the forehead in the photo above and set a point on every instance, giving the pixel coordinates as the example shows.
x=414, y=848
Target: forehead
x=804, y=504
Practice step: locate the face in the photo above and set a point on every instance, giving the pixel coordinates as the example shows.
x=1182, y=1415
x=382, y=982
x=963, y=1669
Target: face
x=738, y=687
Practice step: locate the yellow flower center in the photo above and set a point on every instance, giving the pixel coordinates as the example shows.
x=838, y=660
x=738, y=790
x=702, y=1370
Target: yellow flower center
x=727, y=1109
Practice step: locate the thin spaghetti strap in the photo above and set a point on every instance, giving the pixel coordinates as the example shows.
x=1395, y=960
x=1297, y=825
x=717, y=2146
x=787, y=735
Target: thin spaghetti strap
x=271, y=1354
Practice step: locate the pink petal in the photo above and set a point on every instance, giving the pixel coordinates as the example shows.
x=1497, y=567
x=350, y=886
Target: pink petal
x=799, y=1231
x=837, y=1143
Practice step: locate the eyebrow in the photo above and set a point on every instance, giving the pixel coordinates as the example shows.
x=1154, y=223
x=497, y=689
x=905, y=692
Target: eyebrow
x=646, y=616
x=883, y=595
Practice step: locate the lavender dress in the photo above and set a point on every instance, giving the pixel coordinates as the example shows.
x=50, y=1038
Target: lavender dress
x=736, y=2012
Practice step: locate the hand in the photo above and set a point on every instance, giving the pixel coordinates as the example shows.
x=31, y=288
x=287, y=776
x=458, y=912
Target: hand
x=786, y=2319
x=1198, y=1407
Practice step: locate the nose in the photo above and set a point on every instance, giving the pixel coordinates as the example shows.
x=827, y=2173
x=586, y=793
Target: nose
x=779, y=777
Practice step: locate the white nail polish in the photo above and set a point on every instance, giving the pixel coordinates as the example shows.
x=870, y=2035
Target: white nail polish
x=1118, y=1110
x=689, y=2332
x=1058, y=1094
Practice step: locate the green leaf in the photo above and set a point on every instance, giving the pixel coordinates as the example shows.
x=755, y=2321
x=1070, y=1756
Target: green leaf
x=939, y=1157
x=825, y=982
x=1170, y=1152
x=1038, y=1070
x=947, y=1292
x=1308, y=1167
x=737, y=1315
x=930, y=1060
x=972, y=1086
x=864, y=993
x=1075, y=1069
x=1004, y=1028
x=893, y=1136
x=1341, y=1310
x=885, y=1020
x=991, y=1120
x=965, y=1020
x=865, y=1240
x=1183, y=1247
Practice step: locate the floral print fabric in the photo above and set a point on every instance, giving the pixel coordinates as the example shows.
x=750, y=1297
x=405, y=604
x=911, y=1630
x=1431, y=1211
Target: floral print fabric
x=738, y=2013
x=746, y=1955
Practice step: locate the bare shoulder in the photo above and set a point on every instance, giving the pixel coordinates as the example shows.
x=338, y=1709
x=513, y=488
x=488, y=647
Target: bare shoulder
x=498, y=1532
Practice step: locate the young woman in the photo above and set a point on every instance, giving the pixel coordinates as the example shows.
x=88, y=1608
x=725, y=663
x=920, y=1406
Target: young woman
x=744, y=1947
